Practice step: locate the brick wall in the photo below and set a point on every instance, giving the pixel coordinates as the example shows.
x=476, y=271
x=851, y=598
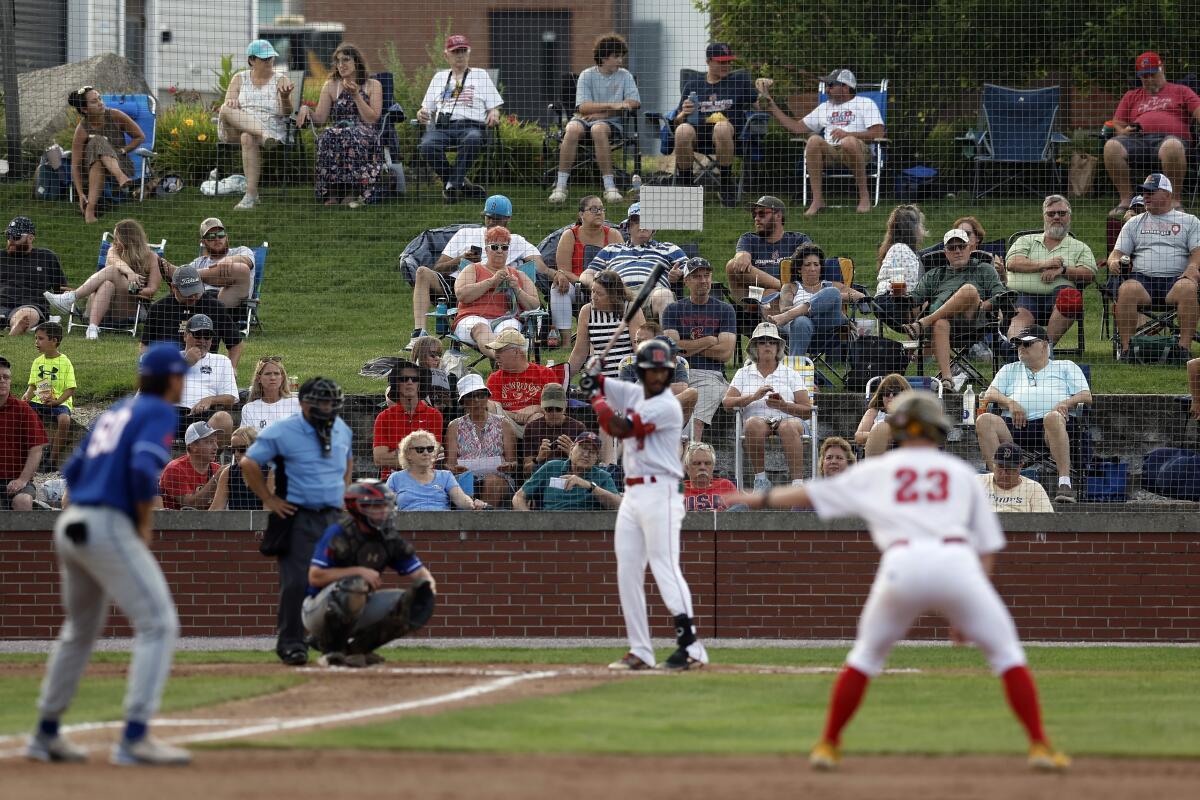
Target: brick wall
x=772, y=577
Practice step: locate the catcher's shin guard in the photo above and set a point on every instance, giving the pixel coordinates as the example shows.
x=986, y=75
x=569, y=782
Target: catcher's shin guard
x=343, y=607
x=413, y=610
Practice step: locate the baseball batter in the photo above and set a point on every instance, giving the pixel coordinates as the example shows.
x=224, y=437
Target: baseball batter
x=928, y=515
x=102, y=545
x=651, y=511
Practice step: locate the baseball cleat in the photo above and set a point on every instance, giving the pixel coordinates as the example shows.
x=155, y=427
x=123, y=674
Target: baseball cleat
x=680, y=661
x=825, y=756
x=332, y=659
x=148, y=752
x=629, y=662
x=56, y=750
x=1044, y=757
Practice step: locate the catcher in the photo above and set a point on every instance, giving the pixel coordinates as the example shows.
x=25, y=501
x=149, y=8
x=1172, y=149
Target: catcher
x=346, y=614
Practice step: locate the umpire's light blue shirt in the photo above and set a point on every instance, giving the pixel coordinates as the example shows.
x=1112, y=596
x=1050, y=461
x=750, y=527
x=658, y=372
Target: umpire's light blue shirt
x=314, y=479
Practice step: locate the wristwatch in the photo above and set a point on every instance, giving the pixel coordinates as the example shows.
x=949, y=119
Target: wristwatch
x=594, y=487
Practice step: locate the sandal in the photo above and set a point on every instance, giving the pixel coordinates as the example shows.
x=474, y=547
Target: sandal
x=914, y=330
x=1118, y=212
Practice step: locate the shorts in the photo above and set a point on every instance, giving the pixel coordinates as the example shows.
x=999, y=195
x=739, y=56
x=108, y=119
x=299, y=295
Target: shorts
x=462, y=328
x=614, y=124
x=1040, y=305
x=711, y=386
x=6, y=499
x=1033, y=436
x=1143, y=149
x=48, y=413
x=7, y=314
x=1157, y=287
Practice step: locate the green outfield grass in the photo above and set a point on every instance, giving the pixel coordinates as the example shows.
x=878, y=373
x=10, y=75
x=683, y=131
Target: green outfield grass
x=333, y=297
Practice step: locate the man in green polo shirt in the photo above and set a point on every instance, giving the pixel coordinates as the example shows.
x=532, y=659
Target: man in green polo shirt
x=571, y=484
x=1045, y=269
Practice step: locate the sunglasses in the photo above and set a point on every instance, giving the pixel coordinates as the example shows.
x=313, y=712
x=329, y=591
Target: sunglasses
x=954, y=248
x=240, y=448
x=890, y=393
x=202, y=334
x=208, y=237
x=481, y=395
x=271, y=360
x=1021, y=343
x=498, y=248
x=1058, y=214
x=424, y=448
x=408, y=379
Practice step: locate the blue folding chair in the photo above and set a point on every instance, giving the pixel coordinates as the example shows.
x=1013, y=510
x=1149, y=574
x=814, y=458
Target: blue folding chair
x=251, y=303
x=878, y=94
x=1018, y=133
x=142, y=109
x=78, y=317
x=389, y=142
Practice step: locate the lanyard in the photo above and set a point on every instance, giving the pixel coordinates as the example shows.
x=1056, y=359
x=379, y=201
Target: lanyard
x=458, y=88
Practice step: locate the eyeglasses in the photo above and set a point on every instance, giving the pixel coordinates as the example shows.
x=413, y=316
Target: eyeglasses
x=954, y=248
x=1058, y=214
x=208, y=237
x=595, y=209
x=408, y=379
x=426, y=448
x=480, y=395
x=497, y=247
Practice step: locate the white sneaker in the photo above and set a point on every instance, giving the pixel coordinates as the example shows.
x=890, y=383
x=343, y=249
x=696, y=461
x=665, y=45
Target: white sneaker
x=56, y=750
x=93, y=333
x=613, y=196
x=63, y=301
x=557, y=197
x=247, y=202
x=148, y=752
x=417, y=335
x=762, y=483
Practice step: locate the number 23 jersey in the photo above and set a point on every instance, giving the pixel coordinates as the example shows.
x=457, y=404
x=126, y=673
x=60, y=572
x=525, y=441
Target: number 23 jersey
x=914, y=494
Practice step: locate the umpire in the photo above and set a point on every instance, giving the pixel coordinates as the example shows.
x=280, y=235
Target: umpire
x=313, y=465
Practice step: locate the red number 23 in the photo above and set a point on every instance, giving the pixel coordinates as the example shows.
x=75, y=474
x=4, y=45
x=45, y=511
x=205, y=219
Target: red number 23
x=936, y=490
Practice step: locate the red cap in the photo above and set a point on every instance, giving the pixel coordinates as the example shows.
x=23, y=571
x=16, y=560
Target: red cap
x=456, y=41
x=1069, y=303
x=1147, y=63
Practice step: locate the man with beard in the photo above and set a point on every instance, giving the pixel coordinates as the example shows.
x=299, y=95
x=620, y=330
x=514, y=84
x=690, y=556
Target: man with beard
x=25, y=272
x=1044, y=268
x=227, y=273
x=756, y=258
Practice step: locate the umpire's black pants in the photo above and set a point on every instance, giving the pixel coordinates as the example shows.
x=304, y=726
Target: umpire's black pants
x=307, y=527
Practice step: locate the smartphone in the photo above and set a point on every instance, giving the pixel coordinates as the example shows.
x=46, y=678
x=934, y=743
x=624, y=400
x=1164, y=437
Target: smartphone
x=475, y=252
x=557, y=483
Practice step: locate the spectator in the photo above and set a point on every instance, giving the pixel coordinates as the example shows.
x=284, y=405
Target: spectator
x=598, y=323
x=410, y=413
x=22, y=441
x=571, y=484
x=756, y=258
x=1193, y=371
x=1153, y=129
x=348, y=156
x=952, y=297
x=427, y=352
x=702, y=492
x=210, y=384
x=131, y=275
x=420, y=487
x=710, y=116
x=190, y=481
x=845, y=125
x=52, y=383
x=491, y=295
x=166, y=319
x=517, y=382
x=482, y=443
x=636, y=260
x=270, y=396
x=1007, y=489
x=899, y=265
x=228, y=274
x=774, y=400
x=835, y=457
x=1044, y=268
x=551, y=435
x=466, y=247
x=974, y=230
x=704, y=329
x=684, y=393
x=873, y=434
x=99, y=149
x=576, y=248
x=1164, y=249
x=232, y=493
x=459, y=103
x=1037, y=396
x=26, y=272
x=257, y=105
x=603, y=94
x=811, y=308
x=439, y=387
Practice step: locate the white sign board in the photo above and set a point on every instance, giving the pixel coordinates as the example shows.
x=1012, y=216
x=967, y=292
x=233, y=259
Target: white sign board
x=672, y=208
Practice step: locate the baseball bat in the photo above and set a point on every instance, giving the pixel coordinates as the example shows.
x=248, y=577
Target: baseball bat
x=647, y=288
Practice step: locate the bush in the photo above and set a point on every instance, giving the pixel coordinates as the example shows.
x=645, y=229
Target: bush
x=187, y=141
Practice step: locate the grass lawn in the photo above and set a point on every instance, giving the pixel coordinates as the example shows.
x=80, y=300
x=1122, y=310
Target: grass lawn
x=333, y=297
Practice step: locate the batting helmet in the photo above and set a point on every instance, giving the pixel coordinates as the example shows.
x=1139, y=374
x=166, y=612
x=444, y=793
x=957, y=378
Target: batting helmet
x=366, y=494
x=654, y=354
x=918, y=413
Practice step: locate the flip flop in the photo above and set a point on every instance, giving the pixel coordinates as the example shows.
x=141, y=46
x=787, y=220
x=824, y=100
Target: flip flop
x=914, y=330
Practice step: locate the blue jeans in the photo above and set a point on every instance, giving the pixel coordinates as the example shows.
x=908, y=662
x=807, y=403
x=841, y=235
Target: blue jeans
x=824, y=317
x=467, y=137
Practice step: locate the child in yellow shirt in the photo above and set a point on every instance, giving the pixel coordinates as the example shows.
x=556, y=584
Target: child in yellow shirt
x=52, y=386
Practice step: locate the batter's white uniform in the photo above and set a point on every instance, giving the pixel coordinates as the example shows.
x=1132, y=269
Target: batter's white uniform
x=651, y=514
x=927, y=513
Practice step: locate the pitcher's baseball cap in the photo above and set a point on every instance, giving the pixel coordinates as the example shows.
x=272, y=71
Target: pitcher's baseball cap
x=1009, y=455
x=20, y=226
x=197, y=431
x=497, y=206
x=187, y=281
x=457, y=41
x=209, y=224
x=1147, y=63
x=554, y=396
x=1155, y=181
x=841, y=76
x=261, y=48
x=162, y=359
x=719, y=52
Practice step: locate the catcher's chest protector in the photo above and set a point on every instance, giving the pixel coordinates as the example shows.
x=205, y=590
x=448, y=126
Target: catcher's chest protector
x=353, y=548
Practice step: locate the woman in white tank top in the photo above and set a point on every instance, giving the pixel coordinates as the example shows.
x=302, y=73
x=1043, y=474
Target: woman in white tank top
x=257, y=105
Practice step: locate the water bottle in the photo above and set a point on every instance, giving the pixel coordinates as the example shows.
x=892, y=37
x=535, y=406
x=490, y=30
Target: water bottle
x=441, y=321
x=694, y=118
x=968, y=407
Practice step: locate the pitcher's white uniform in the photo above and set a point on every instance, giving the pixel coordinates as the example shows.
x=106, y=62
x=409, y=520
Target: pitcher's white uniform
x=651, y=513
x=928, y=515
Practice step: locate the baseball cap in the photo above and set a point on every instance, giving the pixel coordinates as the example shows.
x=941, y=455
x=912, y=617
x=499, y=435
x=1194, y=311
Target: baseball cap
x=471, y=382
x=1147, y=63
x=20, y=226
x=695, y=264
x=187, y=281
x=633, y=212
x=1032, y=334
x=1008, y=454
x=1155, y=181
x=457, y=40
x=199, y=322
x=209, y=224
x=554, y=396
x=261, y=48
x=767, y=201
x=1137, y=202
x=766, y=330
x=497, y=206
x=841, y=76
x=587, y=437
x=956, y=233
x=508, y=338
x=162, y=359
x=197, y=431
x=718, y=51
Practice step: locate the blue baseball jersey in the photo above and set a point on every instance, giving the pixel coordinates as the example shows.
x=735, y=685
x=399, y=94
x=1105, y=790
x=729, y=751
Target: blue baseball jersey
x=119, y=461
x=323, y=557
x=305, y=475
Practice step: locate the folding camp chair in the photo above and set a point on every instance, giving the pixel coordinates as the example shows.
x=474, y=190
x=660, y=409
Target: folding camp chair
x=625, y=147
x=289, y=151
x=876, y=148
x=806, y=368
x=532, y=324
x=250, y=304
x=78, y=318
x=1018, y=133
x=142, y=109
x=1080, y=342
x=388, y=142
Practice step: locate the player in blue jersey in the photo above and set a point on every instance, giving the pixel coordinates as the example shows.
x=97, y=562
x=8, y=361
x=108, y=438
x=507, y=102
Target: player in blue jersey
x=102, y=541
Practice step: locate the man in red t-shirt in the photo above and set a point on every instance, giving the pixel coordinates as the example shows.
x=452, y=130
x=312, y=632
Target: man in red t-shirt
x=190, y=480
x=1153, y=126
x=410, y=413
x=517, y=384
x=701, y=491
x=22, y=440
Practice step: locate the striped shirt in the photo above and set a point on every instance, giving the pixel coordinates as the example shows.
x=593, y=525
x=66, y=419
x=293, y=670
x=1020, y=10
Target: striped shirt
x=601, y=327
x=634, y=264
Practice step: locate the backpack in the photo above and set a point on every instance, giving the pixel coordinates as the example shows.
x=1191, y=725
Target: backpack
x=425, y=249
x=548, y=247
x=50, y=183
x=874, y=355
x=1172, y=472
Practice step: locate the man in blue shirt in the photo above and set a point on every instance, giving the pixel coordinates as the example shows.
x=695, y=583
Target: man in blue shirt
x=102, y=543
x=313, y=465
x=636, y=260
x=756, y=258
